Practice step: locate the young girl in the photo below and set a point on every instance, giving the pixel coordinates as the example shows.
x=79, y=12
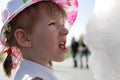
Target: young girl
x=36, y=29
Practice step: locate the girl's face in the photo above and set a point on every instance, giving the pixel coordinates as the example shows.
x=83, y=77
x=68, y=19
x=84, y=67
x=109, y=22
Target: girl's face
x=48, y=38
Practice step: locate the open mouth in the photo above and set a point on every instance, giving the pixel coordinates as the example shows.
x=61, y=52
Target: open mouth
x=62, y=46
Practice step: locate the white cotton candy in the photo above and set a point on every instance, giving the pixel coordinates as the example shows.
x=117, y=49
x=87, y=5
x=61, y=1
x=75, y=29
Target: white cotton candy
x=103, y=38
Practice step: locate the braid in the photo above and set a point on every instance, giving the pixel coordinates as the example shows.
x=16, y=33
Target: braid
x=8, y=63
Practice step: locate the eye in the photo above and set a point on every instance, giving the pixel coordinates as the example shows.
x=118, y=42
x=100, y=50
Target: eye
x=51, y=23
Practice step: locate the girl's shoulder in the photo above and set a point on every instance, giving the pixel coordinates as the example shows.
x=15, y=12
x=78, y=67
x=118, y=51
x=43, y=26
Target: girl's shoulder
x=29, y=70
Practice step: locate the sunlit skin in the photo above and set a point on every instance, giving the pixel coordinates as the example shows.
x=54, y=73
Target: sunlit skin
x=47, y=40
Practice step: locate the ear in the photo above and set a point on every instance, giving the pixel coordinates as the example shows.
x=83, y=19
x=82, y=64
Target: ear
x=22, y=38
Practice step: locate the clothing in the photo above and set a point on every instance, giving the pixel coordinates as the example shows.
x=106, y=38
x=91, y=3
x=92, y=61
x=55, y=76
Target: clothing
x=29, y=70
x=74, y=47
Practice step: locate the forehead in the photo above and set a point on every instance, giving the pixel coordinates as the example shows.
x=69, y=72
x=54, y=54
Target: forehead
x=52, y=10
x=46, y=18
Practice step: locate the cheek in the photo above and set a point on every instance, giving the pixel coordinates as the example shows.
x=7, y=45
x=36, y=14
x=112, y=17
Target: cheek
x=51, y=36
x=46, y=40
x=50, y=39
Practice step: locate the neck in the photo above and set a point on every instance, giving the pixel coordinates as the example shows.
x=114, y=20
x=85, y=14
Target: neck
x=34, y=58
x=39, y=61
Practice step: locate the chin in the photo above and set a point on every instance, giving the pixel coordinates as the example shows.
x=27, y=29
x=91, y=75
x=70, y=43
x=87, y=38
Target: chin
x=60, y=59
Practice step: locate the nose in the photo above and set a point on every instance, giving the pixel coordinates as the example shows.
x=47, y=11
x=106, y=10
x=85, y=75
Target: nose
x=64, y=31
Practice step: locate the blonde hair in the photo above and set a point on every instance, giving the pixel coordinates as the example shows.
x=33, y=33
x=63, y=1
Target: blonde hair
x=26, y=20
